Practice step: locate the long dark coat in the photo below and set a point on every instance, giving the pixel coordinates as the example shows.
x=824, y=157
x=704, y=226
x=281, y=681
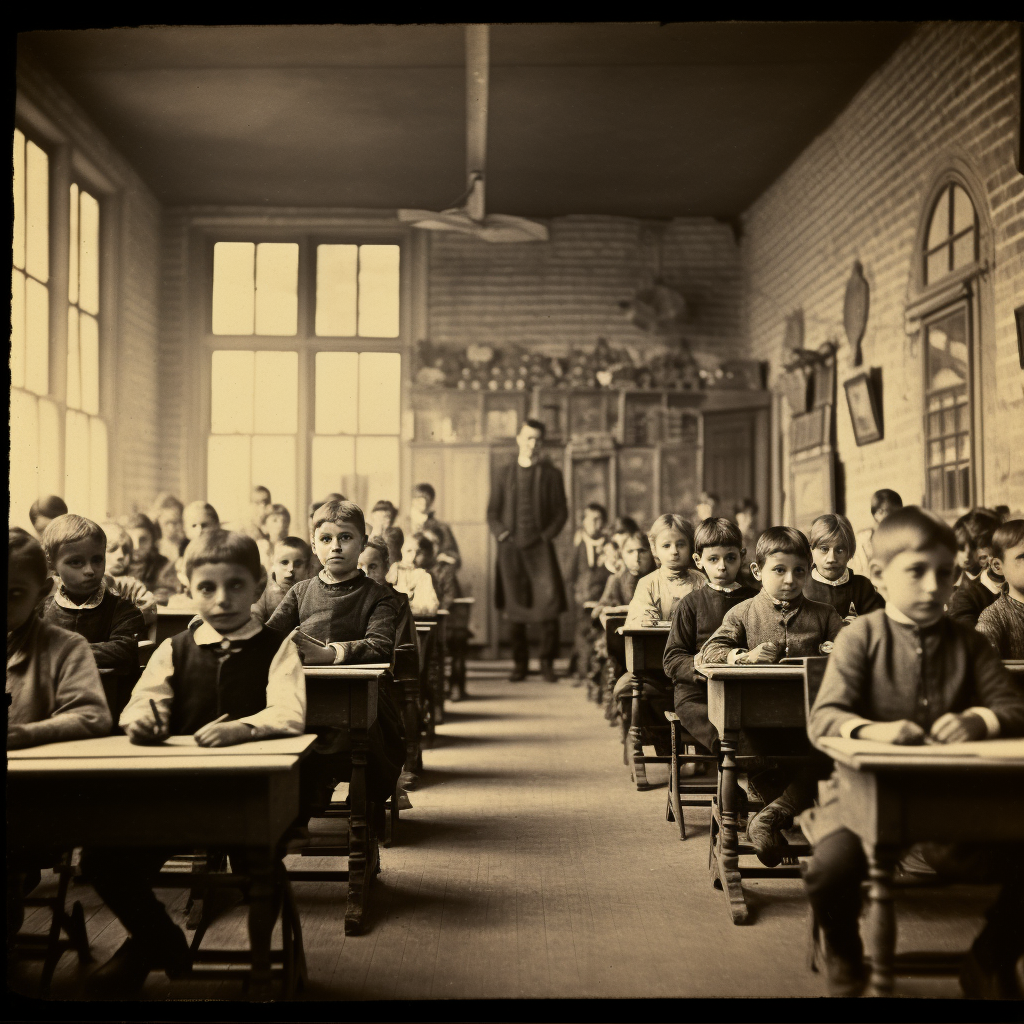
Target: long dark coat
x=528, y=582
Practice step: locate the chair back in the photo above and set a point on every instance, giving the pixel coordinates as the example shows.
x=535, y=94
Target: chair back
x=814, y=672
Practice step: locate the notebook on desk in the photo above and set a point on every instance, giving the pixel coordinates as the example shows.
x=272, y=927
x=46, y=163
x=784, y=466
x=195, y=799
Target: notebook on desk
x=173, y=746
x=996, y=749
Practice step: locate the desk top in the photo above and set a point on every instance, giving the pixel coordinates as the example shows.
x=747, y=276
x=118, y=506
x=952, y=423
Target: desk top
x=659, y=630
x=867, y=755
x=176, y=609
x=752, y=673
x=369, y=670
x=1014, y=666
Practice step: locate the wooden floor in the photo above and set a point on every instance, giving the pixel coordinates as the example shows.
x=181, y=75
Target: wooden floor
x=531, y=867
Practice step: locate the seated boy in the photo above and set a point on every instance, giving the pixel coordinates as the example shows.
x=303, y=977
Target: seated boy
x=153, y=570
x=45, y=510
x=354, y=620
x=980, y=583
x=119, y=556
x=226, y=679
x=656, y=594
x=442, y=573
x=831, y=582
x=587, y=576
x=407, y=577
x=882, y=664
x=276, y=523
x=883, y=503
x=395, y=540
x=293, y=563
x=382, y=518
x=421, y=515
x=76, y=548
x=778, y=623
x=1003, y=620
x=718, y=551
x=196, y=517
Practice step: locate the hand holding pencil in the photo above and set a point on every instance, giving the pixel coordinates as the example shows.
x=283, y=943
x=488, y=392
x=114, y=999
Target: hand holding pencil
x=151, y=731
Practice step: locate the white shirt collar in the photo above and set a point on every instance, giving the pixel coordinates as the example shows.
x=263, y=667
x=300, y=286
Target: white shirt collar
x=735, y=585
x=845, y=578
x=905, y=620
x=62, y=600
x=206, y=634
x=990, y=584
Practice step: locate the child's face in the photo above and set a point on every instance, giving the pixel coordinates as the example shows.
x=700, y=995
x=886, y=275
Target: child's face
x=142, y=541
x=381, y=520
x=830, y=558
x=291, y=565
x=372, y=564
x=197, y=522
x=883, y=511
x=636, y=558
x=80, y=566
x=672, y=549
x=338, y=545
x=593, y=523
x=611, y=557
x=918, y=583
x=783, y=575
x=721, y=564
x=224, y=594
x=118, y=557
x=25, y=588
x=1011, y=567
x=420, y=504
x=171, y=526
x=410, y=549
x=277, y=525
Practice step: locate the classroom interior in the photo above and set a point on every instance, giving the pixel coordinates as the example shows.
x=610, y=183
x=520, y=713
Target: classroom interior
x=781, y=264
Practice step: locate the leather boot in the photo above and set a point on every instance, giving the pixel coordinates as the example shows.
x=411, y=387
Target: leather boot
x=547, y=670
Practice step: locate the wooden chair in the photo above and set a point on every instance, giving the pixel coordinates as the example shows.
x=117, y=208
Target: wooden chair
x=696, y=792
x=426, y=639
x=614, y=665
x=645, y=648
x=457, y=640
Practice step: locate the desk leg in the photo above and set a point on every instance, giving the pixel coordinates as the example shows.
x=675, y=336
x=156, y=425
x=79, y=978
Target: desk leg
x=636, y=740
x=728, y=844
x=358, y=837
x=437, y=682
x=262, y=914
x=411, y=714
x=881, y=929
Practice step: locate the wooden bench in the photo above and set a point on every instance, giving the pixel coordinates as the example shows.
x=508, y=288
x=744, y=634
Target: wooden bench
x=456, y=641
x=645, y=650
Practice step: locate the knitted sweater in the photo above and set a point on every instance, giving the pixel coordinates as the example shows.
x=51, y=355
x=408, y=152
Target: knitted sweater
x=694, y=621
x=801, y=628
x=1003, y=623
x=659, y=591
x=970, y=599
x=619, y=590
x=855, y=595
x=113, y=628
x=55, y=687
x=358, y=613
x=269, y=600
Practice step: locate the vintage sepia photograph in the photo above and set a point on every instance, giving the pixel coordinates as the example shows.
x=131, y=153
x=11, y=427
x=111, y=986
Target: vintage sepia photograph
x=517, y=511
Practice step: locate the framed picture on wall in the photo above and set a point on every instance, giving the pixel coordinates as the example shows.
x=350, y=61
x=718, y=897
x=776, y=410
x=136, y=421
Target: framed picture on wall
x=864, y=412
x=812, y=489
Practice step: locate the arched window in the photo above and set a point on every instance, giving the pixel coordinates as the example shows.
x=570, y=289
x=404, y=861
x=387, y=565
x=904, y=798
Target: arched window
x=952, y=238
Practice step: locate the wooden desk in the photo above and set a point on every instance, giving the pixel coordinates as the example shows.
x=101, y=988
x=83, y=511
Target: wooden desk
x=172, y=620
x=456, y=640
x=748, y=697
x=434, y=659
x=107, y=792
x=645, y=651
x=893, y=796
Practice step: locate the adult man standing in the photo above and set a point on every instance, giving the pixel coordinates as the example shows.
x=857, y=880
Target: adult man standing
x=526, y=512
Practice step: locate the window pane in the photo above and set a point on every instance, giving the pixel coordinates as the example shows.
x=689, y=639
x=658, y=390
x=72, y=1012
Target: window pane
x=19, y=199
x=965, y=486
x=334, y=464
x=935, y=453
x=380, y=392
x=227, y=477
x=234, y=287
x=935, y=424
x=935, y=488
x=276, y=393
x=336, y=290
x=938, y=265
x=949, y=421
x=938, y=229
x=947, y=352
x=337, y=393
x=231, y=393
x=963, y=210
x=73, y=245
x=277, y=288
x=74, y=392
x=89, y=333
x=950, y=492
x=963, y=250
x=89, y=258
x=273, y=466
x=378, y=291
x=37, y=337
x=377, y=469
x=964, y=447
x=49, y=448
x=98, y=468
x=37, y=212
x=17, y=329
x=76, y=462
x=949, y=450
x=24, y=456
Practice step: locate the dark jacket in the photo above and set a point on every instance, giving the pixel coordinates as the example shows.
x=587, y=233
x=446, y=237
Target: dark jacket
x=113, y=629
x=969, y=600
x=587, y=581
x=549, y=508
x=694, y=621
x=856, y=591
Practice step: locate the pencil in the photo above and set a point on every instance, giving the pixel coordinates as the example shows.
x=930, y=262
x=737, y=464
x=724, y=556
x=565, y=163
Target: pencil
x=156, y=715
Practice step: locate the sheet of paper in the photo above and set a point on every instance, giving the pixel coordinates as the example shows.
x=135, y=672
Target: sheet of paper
x=1011, y=749
x=174, y=746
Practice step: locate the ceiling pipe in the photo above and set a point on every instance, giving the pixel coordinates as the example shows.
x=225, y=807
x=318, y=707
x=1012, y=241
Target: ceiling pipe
x=477, y=81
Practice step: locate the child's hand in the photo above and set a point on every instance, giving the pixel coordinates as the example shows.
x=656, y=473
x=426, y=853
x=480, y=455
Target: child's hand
x=17, y=737
x=763, y=654
x=903, y=733
x=223, y=734
x=962, y=728
x=313, y=654
x=146, y=730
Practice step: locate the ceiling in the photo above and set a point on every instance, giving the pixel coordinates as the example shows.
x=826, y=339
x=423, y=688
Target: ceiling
x=630, y=119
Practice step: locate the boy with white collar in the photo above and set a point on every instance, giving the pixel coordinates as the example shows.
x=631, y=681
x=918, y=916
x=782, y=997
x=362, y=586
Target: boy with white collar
x=832, y=546
x=901, y=675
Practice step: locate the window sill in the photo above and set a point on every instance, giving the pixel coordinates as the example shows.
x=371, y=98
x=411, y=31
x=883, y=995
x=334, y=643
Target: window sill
x=954, y=288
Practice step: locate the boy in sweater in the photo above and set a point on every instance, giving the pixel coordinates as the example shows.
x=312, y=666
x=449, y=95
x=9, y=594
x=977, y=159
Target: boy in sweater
x=1003, y=620
x=227, y=679
x=831, y=582
x=980, y=584
x=718, y=551
x=872, y=690
x=422, y=518
x=587, y=576
x=656, y=594
x=778, y=623
x=293, y=560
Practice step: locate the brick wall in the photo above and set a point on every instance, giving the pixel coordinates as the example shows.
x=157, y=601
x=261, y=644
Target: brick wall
x=566, y=292
x=948, y=97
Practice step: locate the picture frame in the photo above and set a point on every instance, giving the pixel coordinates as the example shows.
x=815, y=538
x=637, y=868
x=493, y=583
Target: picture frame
x=865, y=414
x=812, y=489
x=1018, y=314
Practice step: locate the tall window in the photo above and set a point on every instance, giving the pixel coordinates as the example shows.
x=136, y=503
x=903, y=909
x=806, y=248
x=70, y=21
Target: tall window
x=952, y=240
x=35, y=442
x=85, y=444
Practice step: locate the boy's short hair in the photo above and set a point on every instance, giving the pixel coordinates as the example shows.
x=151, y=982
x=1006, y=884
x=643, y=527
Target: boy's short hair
x=624, y=524
x=203, y=506
x=385, y=506
x=259, y=489
x=885, y=496
x=138, y=521
x=641, y=538
x=295, y=542
x=610, y=542
x=781, y=540
x=1009, y=535
x=333, y=496
x=50, y=506
x=339, y=512
x=1002, y=511
x=535, y=425
x=394, y=536
x=975, y=529
x=427, y=491
x=117, y=534
x=595, y=507
x=164, y=500
x=380, y=546
x=423, y=542
x=70, y=529
x=276, y=510
x=671, y=521
x=222, y=546
x=22, y=545
x=832, y=527
x=717, y=533
x=909, y=529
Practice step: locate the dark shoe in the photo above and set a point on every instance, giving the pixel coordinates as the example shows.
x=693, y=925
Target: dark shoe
x=518, y=674
x=577, y=682
x=547, y=671
x=844, y=973
x=123, y=974
x=764, y=833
